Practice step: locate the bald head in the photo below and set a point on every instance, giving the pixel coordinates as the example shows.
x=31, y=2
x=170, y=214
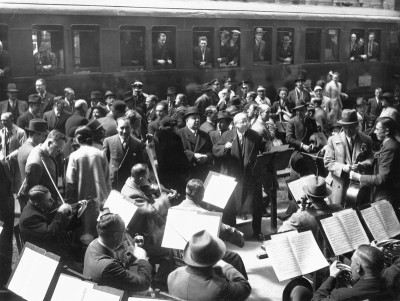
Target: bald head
x=367, y=261
x=241, y=123
x=7, y=120
x=81, y=105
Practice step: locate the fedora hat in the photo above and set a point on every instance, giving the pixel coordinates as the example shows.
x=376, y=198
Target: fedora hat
x=35, y=99
x=102, y=108
x=127, y=96
x=109, y=93
x=95, y=95
x=203, y=250
x=119, y=106
x=38, y=125
x=283, y=89
x=299, y=104
x=316, y=187
x=213, y=82
x=171, y=90
x=137, y=84
x=259, y=30
x=300, y=79
x=11, y=87
x=388, y=96
x=94, y=125
x=191, y=111
x=232, y=110
x=223, y=115
x=168, y=122
x=286, y=39
x=297, y=286
x=348, y=117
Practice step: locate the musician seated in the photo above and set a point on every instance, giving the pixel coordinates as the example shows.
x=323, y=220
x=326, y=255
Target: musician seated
x=366, y=269
x=101, y=262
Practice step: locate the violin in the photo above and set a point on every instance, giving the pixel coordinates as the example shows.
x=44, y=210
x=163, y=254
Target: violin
x=151, y=189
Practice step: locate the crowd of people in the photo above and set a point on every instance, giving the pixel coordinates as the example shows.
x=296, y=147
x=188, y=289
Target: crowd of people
x=60, y=156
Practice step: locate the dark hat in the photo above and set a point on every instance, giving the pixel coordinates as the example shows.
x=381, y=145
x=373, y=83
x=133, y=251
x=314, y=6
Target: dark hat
x=94, y=125
x=206, y=87
x=95, y=95
x=109, y=93
x=286, y=39
x=259, y=30
x=283, y=89
x=252, y=93
x=223, y=115
x=11, y=87
x=300, y=79
x=38, y=125
x=348, y=117
x=232, y=110
x=191, y=111
x=388, y=96
x=235, y=100
x=34, y=98
x=335, y=125
x=168, y=122
x=128, y=96
x=215, y=80
x=203, y=250
x=119, y=106
x=297, y=286
x=101, y=107
x=316, y=187
x=171, y=90
x=137, y=83
x=299, y=104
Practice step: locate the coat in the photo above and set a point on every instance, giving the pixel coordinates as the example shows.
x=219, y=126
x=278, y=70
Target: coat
x=336, y=156
x=259, y=51
x=374, y=109
x=56, y=122
x=374, y=51
x=198, y=57
x=298, y=132
x=109, y=125
x=101, y=265
x=47, y=103
x=293, y=97
x=23, y=120
x=22, y=107
x=74, y=121
x=120, y=161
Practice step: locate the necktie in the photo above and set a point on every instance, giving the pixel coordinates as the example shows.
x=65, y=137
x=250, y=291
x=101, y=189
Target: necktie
x=124, y=144
x=351, y=145
x=370, y=48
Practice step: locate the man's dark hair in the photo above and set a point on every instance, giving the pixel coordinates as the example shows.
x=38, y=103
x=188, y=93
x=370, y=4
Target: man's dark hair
x=164, y=104
x=371, y=258
x=139, y=170
x=37, y=193
x=56, y=135
x=182, y=97
x=194, y=187
x=388, y=123
x=84, y=135
x=108, y=224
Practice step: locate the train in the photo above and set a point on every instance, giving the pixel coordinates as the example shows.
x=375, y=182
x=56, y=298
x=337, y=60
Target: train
x=106, y=46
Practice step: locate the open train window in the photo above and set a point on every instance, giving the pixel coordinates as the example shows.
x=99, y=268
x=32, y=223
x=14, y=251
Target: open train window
x=262, y=45
x=313, y=45
x=229, y=51
x=203, y=47
x=373, y=44
x=4, y=55
x=132, y=45
x=394, y=45
x=332, y=38
x=357, y=45
x=48, y=48
x=164, y=47
x=85, y=48
x=285, y=47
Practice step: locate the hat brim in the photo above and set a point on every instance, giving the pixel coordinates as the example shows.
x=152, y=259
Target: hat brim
x=292, y=284
x=328, y=192
x=347, y=122
x=224, y=118
x=33, y=131
x=187, y=258
x=190, y=114
x=12, y=90
x=105, y=96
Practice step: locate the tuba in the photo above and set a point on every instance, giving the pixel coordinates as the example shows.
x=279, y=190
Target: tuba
x=391, y=251
x=345, y=278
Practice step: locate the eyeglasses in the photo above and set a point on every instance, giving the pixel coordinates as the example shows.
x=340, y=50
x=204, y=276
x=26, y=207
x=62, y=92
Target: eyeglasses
x=138, y=86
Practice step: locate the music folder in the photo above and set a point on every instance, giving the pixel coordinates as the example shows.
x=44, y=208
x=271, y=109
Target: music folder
x=276, y=159
x=294, y=254
x=33, y=278
x=218, y=189
x=123, y=206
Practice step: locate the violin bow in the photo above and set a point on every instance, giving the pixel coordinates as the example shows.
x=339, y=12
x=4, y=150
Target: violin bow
x=52, y=181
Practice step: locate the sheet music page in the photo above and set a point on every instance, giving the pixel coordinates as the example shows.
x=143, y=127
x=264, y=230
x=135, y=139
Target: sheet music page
x=182, y=224
x=121, y=205
x=33, y=275
x=219, y=189
x=63, y=291
x=284, y=234
x=97, y=295
x=336, y=235
x=388, y=217
x=374, y=223
x=282, y=258
x=278, y=148
x=296, y=187
x=309, y=256
x=353, y=228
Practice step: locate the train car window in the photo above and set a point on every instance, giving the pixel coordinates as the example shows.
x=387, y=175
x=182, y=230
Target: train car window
x=4, y=55
x=394, y=45
x=357, y=45
x=4, y=36
x=132, y=45
x=373, y=44
x=48, y=48
x=332, y=38
x=203, y=48
x=229, y=51
x=86, y=48
x=313, y=45
x=164, y=46
x=285, y=52
x=262, y=45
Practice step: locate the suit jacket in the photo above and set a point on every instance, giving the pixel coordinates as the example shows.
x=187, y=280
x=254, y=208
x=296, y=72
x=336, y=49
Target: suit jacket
x=22, y=107
x=387, y=177
x=120, y=160
x=200, y=284
x=47, y=103
x=151, y=115
x=207, y=127
x=74, y=121
x=23, y=120
x=259, y=51
x=109, y=125
x=154, y=126
x=357, y=52
x=200, y=144
x=101, y=265
x=198, y=57
x=374, y=109
x=337, y=155
x=283, y=54
x=56, y=122
x=293, y=96
x=298, y=132
x=160, y=53
x=373, y=53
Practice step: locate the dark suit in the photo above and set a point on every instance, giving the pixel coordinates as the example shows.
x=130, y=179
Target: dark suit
x=285, y=53
x=374, y=109
x=151, y=115
x=238, y=162
x=120, y=160
x=295, y=94
x=357, y=52
x=101, y=265
x=56, y=122
x=198, y=56
x=259, y=51
x=154, y=126
x=23, y=120
x=47, y=103
x=109, y=125
x=20, y=108
x=372, y=50
x=300, y=131
x=200, y=144
x=160, y=53
x=74, y=121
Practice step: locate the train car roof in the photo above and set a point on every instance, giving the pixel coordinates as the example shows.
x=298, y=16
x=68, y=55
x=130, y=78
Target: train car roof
x=200, y=9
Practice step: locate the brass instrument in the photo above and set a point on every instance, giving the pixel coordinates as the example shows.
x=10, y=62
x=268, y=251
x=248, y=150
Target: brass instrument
x=391, y=251
x=345, y=278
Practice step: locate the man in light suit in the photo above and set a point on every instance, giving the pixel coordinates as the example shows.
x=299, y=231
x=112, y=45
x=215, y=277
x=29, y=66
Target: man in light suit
x=47, y=97
x=333, y=90
x=122, y=151
x=13, y=105
x=259, y=45
x=202, y=54
x=341, y=155
x=374, y=106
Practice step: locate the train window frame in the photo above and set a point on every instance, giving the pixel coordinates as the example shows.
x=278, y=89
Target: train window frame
x=327, y=35
x=4, y=38
x=7, y=34
x=220, y=60
x=281, y=32
x=267, y=31
x=135, y=29
x=378, y=39
x=167, y=30
x=209, y=33
x=86, y=28
x=319, y=31
x=59, y=52
x=357, y=32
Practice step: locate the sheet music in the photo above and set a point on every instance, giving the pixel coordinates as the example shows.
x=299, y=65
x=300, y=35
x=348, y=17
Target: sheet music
x=96, y=295
x=374, y=223
x=389, y=218
x=284, y=234
x=278, y=148
x=336, y=235
x=296, y=187
x=219, y=189
x=282, y=258
x=121, y=205
x=309, y=256
x=182, y=224
x=353, y=228
x=33, y=275
x=63, y=291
